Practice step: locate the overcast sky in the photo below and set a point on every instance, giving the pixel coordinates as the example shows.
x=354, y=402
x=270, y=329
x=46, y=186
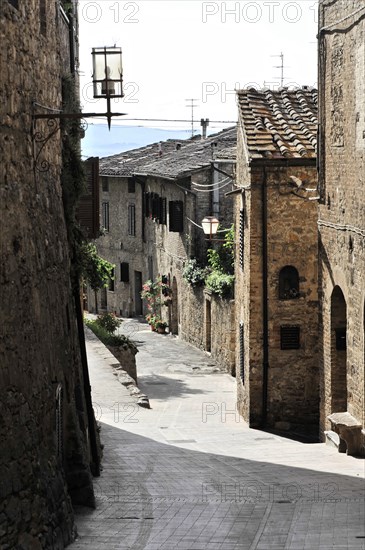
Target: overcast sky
x=177, y=50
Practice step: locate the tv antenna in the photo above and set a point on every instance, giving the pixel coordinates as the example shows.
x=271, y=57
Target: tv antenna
x=281, y=67
x=192, y=105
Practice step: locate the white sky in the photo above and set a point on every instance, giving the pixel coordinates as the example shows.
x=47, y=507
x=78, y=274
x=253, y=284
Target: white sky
x=175, y=50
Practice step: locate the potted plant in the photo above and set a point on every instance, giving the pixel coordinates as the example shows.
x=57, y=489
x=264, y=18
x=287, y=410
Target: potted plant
x=151, y=320
x=160, y=326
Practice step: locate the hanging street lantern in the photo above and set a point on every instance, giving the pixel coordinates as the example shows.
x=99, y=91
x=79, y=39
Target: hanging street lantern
x=107, y=75
x=210, y=226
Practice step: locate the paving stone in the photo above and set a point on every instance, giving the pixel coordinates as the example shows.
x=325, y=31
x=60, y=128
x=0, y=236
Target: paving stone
x=234, y=488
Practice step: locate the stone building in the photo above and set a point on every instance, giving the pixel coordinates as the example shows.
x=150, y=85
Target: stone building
x=151, y=201
x=276, y=291
x=45, y=424
x=341, y=221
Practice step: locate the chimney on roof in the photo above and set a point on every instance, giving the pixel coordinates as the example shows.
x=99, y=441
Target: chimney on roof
x=204, y=123
x=160, y=148
x=178, y=146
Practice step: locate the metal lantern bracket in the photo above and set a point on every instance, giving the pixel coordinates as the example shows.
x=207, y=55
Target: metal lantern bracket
x=107, y=83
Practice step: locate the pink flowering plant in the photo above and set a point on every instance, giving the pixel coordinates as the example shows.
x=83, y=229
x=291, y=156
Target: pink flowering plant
x=156, y=293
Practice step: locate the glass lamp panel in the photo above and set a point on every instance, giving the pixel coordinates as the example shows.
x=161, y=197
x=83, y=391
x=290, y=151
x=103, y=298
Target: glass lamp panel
x=107, y=72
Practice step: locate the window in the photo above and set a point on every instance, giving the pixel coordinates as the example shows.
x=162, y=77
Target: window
x=288, y=283
x=111, y=282
x=132, y=220
x=147, y=205
x=176, y=211
x=340, y=339
x=105, y=215
x=88, y=207
x=105, y=185
x=289, y=337
x=242, y=238
x=124, y=272
x=155, y=206
x=131, y=186
x=163, y=211
x=242, y=352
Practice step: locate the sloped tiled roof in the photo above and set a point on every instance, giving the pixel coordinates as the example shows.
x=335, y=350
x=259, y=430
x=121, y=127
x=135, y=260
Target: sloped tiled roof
x=279, y=124
x=172, y=158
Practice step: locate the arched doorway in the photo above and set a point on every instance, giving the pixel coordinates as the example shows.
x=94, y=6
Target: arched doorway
x=338, y=351
x=174, y=324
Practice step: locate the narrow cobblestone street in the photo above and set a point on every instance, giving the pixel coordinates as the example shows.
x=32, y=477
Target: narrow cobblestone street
x=189, y=474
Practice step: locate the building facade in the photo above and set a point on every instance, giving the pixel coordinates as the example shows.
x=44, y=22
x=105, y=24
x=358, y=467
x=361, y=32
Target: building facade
x=152, y=202
x=341, y=221
x=45, y=454
x=276, y=290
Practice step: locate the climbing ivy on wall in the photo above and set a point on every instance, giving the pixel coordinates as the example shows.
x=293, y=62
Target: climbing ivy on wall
x=85, y=262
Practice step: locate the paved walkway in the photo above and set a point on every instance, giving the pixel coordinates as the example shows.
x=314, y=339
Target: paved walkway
x=189, y=474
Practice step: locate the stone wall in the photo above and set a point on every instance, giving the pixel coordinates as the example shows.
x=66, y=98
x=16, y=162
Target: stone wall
x=342, y=208
x=207, y=322
x=292, y=401
x=44, y=452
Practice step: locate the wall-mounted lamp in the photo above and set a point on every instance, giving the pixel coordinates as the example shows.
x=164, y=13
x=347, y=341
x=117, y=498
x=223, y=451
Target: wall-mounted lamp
x=107, y=75
x=107, y=83
x=210, y=226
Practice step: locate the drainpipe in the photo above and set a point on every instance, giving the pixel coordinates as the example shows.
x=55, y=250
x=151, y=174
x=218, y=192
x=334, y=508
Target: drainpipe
x=265, y=316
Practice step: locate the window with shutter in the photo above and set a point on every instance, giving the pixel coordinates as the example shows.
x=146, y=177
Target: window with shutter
x=124, y=272
x=289, y=337
x=88, y=207
x=163, y=211
x=132, y=220
x=147, y=204
x=155, y=206
x=242, y=352
x=176, y=216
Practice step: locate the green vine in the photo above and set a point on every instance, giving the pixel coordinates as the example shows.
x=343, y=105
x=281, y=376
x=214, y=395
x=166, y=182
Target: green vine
x=218, y=276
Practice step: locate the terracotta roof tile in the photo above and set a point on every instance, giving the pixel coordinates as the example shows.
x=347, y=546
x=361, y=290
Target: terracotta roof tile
x=279, y=124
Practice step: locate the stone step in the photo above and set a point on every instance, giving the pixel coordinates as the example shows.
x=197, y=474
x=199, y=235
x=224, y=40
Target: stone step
x=332, y=439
